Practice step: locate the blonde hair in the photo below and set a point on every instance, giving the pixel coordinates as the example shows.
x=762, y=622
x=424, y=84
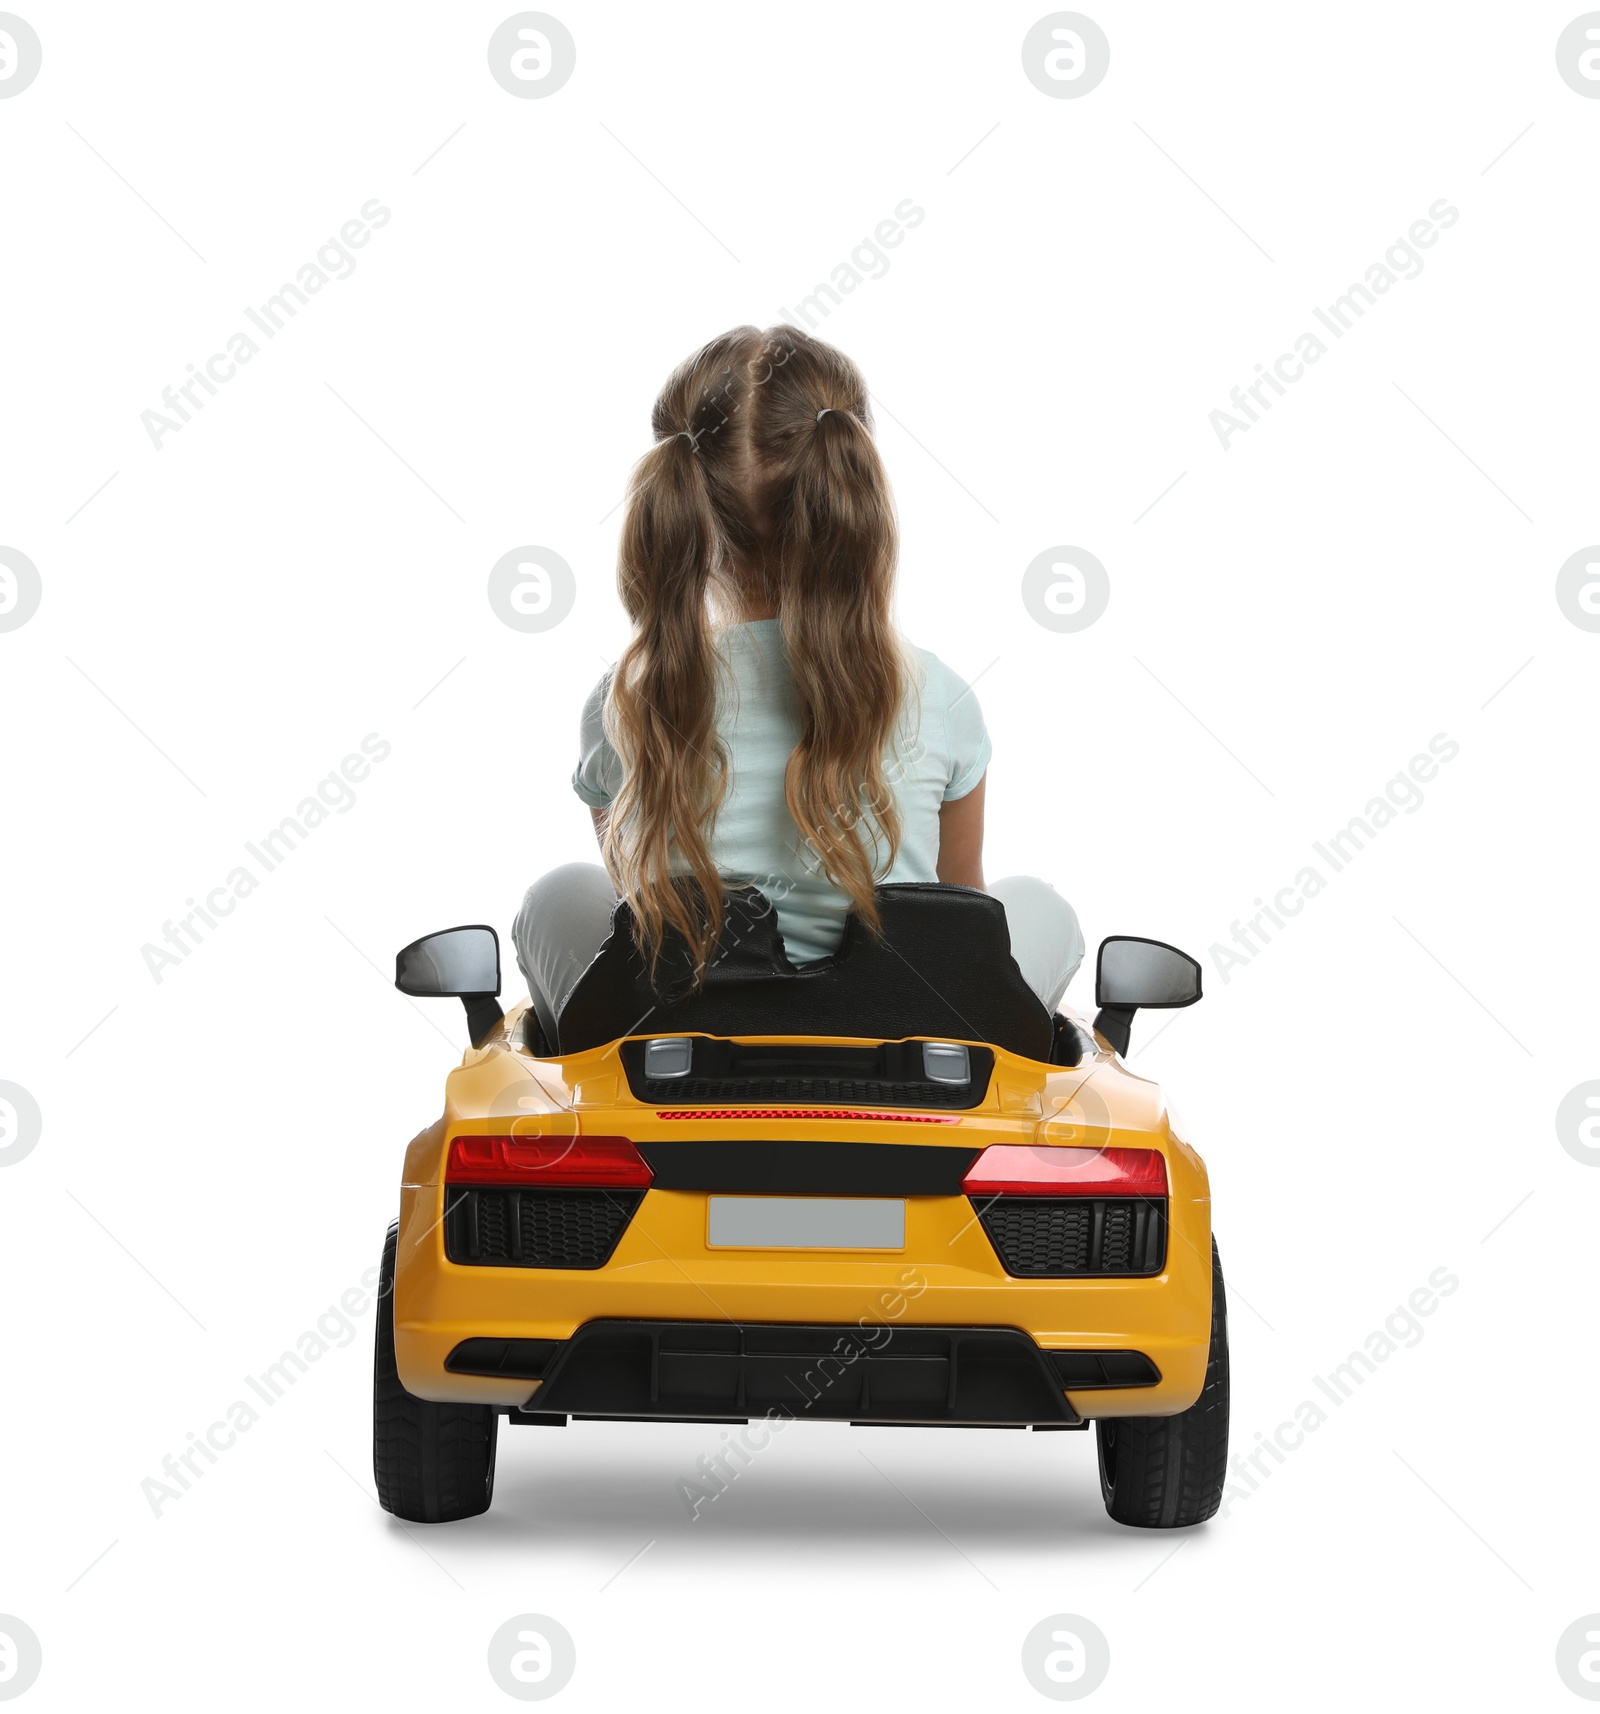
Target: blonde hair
x=764, y=490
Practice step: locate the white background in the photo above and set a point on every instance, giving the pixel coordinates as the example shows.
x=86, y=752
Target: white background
x=1367, y=567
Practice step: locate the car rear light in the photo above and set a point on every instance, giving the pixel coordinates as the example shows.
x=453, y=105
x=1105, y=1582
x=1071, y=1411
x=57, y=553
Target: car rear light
x=1009, y=1169
x=534, y=1162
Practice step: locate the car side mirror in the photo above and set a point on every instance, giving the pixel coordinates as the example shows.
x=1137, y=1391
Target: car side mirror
x=463, y=963
x=1132, y=972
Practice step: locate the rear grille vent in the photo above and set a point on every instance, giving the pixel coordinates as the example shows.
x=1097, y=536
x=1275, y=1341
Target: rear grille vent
x=887, y=1074
x=1054, y=1237
x=1084, y=1371
x=825, y=1090
x=536, y=1228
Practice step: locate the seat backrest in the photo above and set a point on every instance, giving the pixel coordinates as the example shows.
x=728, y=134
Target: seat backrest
x=942, y=967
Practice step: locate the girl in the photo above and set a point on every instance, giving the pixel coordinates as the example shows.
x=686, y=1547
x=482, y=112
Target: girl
x=766, y=725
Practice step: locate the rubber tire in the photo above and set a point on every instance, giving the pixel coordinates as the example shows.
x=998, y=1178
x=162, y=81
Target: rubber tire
x=1167, y=1472
x=433, y=1463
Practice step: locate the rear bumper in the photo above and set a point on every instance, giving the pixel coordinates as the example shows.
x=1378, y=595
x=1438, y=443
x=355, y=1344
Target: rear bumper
x=947, y=1283
x=717, y=1369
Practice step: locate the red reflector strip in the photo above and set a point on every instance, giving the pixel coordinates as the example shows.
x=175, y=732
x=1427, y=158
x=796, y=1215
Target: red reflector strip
x=809, y=1113
x=1009, y=1169
x=539, y=1161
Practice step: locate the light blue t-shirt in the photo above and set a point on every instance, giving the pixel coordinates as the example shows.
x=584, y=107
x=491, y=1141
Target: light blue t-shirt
x=940, y=752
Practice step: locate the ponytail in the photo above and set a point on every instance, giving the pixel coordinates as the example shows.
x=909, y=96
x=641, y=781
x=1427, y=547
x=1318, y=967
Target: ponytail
x=837, y=549
x=661, y=711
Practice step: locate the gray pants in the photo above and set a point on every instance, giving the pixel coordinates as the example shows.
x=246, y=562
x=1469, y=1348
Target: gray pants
x=566, y=914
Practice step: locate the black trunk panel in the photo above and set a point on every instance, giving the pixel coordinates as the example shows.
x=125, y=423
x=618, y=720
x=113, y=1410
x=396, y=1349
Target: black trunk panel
x=791, y=1168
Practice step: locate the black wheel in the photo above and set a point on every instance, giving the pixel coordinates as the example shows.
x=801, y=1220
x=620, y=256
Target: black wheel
x=1164, y=1472
x=433, y=1463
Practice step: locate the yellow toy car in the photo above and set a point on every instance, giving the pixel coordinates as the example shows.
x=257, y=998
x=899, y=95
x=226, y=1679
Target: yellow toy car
x=886, y=1187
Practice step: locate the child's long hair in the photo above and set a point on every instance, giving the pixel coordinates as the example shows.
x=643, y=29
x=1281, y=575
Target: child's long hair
x=764, y=488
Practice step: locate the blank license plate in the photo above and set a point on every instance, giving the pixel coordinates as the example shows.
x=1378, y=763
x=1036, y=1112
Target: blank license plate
x=806, y=1223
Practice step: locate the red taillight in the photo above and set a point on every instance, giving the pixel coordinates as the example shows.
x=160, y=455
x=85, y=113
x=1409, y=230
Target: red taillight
x=1009, y=1169
x=538, y=1161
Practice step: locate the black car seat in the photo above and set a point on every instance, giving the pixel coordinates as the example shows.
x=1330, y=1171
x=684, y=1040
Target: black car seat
x=942, y=967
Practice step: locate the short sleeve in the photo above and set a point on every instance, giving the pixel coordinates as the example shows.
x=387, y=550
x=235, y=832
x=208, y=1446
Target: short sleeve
x=598, y=776
x=966, y=736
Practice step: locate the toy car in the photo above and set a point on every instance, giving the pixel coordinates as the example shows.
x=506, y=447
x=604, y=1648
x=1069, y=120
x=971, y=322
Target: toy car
x=888, y=1187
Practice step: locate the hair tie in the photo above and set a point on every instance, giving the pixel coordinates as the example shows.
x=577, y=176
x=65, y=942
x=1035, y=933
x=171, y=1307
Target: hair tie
x=823, y=412
x=683, y=434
